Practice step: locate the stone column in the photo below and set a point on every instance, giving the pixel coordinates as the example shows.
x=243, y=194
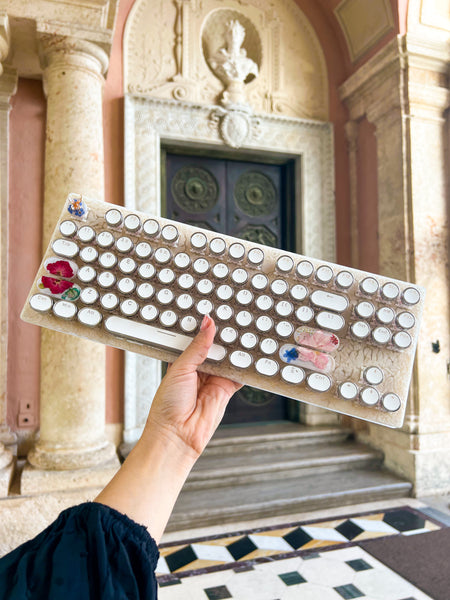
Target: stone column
x=72, y=450
x=8, y=87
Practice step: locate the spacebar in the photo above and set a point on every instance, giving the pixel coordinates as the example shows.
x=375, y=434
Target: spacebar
x=154, y=336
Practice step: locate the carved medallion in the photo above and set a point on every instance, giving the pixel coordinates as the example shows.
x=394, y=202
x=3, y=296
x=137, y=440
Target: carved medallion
x=195, y=189
x=254, y=397
x=255, y=194
x=259, y=234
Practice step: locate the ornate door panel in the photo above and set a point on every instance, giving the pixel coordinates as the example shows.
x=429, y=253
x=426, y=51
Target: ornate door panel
x=243, y=199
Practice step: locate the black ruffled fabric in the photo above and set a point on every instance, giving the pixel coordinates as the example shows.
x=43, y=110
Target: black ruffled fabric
x=91, y=552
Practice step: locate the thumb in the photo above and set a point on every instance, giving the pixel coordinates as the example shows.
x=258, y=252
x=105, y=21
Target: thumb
x=197, y=351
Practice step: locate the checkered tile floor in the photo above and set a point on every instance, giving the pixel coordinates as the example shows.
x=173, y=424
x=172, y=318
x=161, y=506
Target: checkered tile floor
x=320, y=560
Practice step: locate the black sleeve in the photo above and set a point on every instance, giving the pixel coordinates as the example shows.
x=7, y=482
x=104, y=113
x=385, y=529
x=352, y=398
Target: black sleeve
x=91, y=552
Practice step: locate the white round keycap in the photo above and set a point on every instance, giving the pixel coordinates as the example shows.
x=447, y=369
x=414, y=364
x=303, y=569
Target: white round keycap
x=279, y=286
x=259, y=281
x=264, y=302
x=228, y=335
x=113, y=217
x=385, y=315
x=402, y=340
x=188, y=324
x=267, y=366
x=244, y=297
x=284, y=329
x=185, y=301
x=126, y=285
x=108, y=260
x=106, y=279
x=182, y=260
x=292, y=374
x=244, y=318
x=217, y=246
x=239, y=276
x=86, y=274
x=304, y=314
x=151, y=227
x=391, y=402
x=329, y=320
x=369, y=396
x=324, y=274
x=205, y=286
x=406, y=320
x=127, y=265
x=318, y=382
x=410, y=296
x=304, y=269
x=109, y=301
x=105, y=239
x=89, y=254
x=344, y=280
x=249, y=340
x=146, y=271
x=365, y=309
x=145, y=291
x=86, y=234
x=149, y=312
x=201, y=266
x=129, y=307
x=284, y=308
x=186, y=281
x=381, y=335
x=268, y=346
x=224, y=292
x=169, y=233
x=347, y=390
x=166, y=276
x=89, y=295
x=68, y=228
x=89, y=317
x=220, y=270
x=162, y=255
x=373, y=375
x=198, y=240
x=132, y=222
x=143, y=250
x=285, y=264
x=390, y=291
x=224, y=312
x=124, y=244
x=165, y=296
x=360, y=330
x=41, y=302
x=299, y=292
x=64, y=310
x=204, y=307
x=236, y=251
x=168, y=318
x=240, y=359
x=264, y=323
x=65, y=248
x=369, y=286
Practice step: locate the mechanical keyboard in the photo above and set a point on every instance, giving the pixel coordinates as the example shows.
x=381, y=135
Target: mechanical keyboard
x=306, y=329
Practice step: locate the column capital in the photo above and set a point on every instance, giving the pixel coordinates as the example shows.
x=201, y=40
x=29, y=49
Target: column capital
x=5, y=38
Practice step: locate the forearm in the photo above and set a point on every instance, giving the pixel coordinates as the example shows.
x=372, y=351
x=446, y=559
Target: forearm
x=150, y=480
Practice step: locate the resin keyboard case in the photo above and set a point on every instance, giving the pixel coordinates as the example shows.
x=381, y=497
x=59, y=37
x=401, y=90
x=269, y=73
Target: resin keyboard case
x=306, y=329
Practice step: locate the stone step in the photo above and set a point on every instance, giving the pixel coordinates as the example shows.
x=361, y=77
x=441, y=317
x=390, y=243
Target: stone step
x=276, y=497
x=270, y=436
x=233, y=469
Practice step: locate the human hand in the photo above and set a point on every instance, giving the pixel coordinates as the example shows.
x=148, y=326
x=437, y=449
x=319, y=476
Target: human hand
x=189, y=405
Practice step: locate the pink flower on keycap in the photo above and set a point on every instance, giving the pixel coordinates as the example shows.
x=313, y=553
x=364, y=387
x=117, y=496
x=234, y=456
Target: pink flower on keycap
x=61, y=268
x=56, y=286
x=316, y=338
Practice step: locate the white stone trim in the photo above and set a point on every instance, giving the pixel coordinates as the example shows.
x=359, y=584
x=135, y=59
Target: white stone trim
x=149, y=123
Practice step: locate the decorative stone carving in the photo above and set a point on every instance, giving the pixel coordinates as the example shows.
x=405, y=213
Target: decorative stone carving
x=236, y=126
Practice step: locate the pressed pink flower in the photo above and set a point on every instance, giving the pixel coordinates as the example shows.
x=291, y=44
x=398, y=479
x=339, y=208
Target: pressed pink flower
x=61, y=268
x=56, y=286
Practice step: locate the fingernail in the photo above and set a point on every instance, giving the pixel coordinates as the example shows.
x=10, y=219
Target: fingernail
x=205, y=323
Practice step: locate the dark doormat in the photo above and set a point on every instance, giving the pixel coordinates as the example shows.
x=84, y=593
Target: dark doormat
x=422, y=559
